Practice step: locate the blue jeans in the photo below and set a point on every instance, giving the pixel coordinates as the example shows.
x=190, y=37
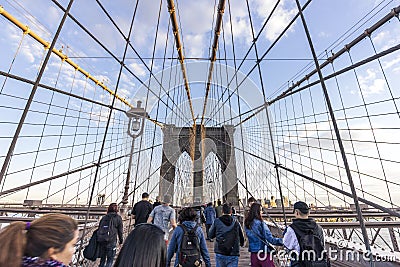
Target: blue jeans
x=109, y=253
x=226, y=261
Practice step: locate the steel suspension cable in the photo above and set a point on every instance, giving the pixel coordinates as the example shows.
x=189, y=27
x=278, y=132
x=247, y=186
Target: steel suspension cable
x=107, y=126
x=266, y=110
x=33, y=92
x=338, y=136
x=265, y=53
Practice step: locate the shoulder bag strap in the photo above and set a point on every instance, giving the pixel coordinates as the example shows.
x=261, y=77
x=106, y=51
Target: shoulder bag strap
x=258, y=236
x=183, y=228
x=299, y=234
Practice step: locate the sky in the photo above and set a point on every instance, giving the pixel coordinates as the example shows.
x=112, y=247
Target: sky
x=332, y=24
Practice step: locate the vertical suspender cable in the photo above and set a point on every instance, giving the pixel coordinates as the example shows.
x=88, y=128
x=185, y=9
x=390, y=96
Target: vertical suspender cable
x=214, y=48
x=267, y=114
x=178, y=43
x=106, y=129
x=237, y=93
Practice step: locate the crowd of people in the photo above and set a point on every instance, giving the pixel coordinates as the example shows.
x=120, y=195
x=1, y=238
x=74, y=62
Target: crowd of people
x=50, y=240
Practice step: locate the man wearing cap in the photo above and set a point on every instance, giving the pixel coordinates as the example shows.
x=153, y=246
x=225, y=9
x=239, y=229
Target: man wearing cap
x=302, y=230
x=163, y=216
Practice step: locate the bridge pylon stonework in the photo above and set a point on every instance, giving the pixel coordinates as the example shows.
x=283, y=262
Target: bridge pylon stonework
x=199, y=141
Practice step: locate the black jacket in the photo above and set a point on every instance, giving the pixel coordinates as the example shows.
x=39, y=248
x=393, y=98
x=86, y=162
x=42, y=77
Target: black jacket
x=302, y=226
x=117, y=221
x=220, y=226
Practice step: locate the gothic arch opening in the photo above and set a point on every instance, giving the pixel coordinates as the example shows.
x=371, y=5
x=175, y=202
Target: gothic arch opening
x=183, y=182
x=212, y=178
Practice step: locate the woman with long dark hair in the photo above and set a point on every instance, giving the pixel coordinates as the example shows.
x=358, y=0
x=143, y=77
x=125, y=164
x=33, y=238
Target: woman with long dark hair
x=144, y=246
x=47, y=241
x=259, y=236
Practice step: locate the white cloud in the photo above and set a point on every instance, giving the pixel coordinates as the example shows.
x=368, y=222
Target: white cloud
x=386, y=39
x=124, y=92
x=128, y=79
x=53, y=14
x=108, y=36
x=324, y=34
x=137, y=69
x=279, y=20
x=103, y=78
x=381, y=37
x=29, y=49
x=194, y=45
x=370, y=84
x=392, y=64
x=196, y=16
x=241, y=30
x=101, y=115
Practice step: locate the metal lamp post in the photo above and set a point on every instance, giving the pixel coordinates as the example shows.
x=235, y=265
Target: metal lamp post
x=137, y=116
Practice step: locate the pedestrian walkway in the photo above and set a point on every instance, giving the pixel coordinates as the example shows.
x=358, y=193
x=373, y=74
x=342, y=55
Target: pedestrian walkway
x=244, y=258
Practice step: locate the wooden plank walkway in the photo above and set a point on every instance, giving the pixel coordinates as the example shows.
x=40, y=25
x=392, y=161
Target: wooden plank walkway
x=244, y=259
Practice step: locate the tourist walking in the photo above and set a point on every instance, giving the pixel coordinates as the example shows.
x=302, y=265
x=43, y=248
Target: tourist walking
x=229, y=238
x=164, y=217
x=260, y=238
x=218, y=209
x=188, y=242
x=157, y=202
x=110, y=227
x=142, y=209
x=209, y=213
x=304, y=239
x=144, y=246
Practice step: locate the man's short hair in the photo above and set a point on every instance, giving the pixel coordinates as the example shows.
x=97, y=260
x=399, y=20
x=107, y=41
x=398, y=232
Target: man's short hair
x=251, y=199
x=167, y=199
x=187, y=214
x=302, y=207
x=226, y=209
x=145, y=195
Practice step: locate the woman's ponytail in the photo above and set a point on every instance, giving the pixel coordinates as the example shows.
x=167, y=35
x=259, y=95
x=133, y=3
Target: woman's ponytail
x=13, y=242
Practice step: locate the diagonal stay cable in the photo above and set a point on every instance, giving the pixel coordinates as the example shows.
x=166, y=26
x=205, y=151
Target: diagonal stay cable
x=33, y=92
x=152, y=75
x=109, y=52
x=265, y=53
x=292, y=89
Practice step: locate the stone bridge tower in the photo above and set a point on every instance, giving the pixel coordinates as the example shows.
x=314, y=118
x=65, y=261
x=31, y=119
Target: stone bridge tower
x=198, y=142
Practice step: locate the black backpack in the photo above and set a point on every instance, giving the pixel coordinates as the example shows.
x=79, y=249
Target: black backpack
x=311, y=248
x=189, y=255
x=228, y=240
x=107, y=231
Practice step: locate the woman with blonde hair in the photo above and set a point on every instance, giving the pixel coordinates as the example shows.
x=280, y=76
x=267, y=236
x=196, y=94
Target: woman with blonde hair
x=47, y=241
